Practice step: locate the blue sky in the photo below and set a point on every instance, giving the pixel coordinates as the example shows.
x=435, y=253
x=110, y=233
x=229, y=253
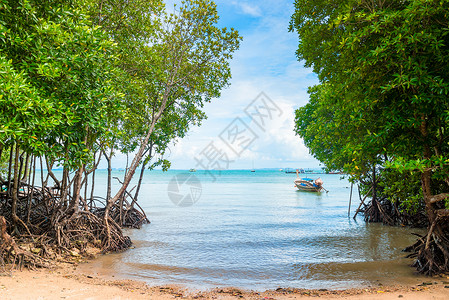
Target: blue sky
x=266, y=63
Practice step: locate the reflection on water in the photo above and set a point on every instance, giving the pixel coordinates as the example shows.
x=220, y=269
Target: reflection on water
x=254, y=230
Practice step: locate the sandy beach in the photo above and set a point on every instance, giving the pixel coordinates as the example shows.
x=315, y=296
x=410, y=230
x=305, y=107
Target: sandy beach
x=66, y=282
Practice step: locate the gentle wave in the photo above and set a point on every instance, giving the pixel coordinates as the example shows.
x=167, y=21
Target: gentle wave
x=256, y=231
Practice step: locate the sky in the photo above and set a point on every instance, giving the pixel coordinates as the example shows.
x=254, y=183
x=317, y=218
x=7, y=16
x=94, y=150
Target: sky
x=266, y=78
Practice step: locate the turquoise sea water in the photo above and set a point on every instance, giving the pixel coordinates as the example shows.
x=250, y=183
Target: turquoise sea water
x=256, y=231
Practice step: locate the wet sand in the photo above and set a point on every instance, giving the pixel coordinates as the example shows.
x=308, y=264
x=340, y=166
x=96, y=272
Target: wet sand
x=66, y=282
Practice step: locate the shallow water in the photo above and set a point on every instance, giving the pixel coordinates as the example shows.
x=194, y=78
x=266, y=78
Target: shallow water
x=256, y=231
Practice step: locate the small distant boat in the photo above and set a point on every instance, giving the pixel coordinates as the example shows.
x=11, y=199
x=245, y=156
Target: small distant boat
x=252, y=170
x=309, y=185
x=192, y=170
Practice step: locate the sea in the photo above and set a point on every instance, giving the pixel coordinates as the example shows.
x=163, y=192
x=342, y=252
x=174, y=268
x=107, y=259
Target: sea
x=255, y=230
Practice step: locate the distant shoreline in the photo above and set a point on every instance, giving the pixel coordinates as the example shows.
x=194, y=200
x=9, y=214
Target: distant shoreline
x=309, y=170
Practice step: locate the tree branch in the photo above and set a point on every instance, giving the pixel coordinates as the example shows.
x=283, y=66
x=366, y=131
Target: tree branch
x=439, y=197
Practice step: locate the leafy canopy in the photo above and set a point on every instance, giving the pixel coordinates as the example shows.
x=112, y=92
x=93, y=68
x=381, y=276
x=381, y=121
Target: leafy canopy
x=382, y=97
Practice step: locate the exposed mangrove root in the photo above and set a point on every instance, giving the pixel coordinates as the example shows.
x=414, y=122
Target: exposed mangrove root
x=129, y=215
x=43, y=224
x=391, y=213
x=14, y=255
x=85, y=229
x=126, y=215
x=431, y=251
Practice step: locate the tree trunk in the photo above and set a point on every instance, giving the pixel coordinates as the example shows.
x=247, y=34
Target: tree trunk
x=42, y=173
x=92, y=189
x=136, y=195
x=86, y=185
x=432, y=250
x=51, y=174
x=135, y=163
x=108, y=159
x=20, y=165
x=15, y=189
x=27, y=162
x=426, y=176
x=140, y=182
x=11, y=155
x=30, y=197
x=138, y=158
x=75, y=203
x=65, y=186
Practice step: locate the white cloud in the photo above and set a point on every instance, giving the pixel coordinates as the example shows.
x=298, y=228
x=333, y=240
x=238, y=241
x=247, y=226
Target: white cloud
x=252, y=10
x=266, y=62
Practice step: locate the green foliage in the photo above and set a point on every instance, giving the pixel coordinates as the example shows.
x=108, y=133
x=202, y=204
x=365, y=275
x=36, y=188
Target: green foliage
x=77, y=76
x=56, y=71
x=384, y=83
x=402, y=188
x=184, y=65
x=132, y=25
x=25, y=116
